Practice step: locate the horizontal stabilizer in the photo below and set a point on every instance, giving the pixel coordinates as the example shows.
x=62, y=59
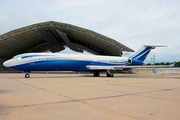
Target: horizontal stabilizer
x=143, y=51
x=155, y=46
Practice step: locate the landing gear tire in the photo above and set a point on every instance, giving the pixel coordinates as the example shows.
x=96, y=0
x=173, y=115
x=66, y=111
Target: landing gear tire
x=110, y=75
x=27, y=75
x=96, y=74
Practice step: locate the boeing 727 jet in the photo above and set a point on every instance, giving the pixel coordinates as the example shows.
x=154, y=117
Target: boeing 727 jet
x=73, y=62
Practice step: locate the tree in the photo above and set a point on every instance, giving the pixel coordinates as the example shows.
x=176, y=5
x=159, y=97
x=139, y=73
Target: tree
x=162, y=63
x=167, y=63
x=157, y=64
x=177, y=64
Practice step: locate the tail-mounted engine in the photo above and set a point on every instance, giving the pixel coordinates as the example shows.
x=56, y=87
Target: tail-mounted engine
x=126, y=54
x=135, y=62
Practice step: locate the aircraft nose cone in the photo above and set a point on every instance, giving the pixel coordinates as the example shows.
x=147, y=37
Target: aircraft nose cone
x=6, y=63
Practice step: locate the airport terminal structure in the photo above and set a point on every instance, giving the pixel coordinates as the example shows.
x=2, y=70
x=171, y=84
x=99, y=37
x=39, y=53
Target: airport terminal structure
x=54, y=37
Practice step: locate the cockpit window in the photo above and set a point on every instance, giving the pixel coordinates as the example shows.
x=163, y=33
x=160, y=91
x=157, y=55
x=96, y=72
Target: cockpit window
x=14, y=57
x=17, y=58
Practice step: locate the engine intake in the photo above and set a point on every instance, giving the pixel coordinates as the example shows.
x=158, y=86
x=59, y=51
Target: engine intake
x=135, y=62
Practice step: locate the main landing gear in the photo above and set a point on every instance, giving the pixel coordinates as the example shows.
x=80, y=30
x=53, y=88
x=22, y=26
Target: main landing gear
x=109, y=74
x=96, y=74
x=27, y=75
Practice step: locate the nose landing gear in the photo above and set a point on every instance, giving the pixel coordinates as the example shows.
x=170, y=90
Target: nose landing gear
x=27, y=75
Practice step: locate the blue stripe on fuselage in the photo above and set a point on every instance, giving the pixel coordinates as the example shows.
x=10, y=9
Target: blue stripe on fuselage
x=61, y=65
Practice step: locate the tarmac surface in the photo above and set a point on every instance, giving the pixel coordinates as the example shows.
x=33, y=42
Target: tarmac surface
x=84, y=97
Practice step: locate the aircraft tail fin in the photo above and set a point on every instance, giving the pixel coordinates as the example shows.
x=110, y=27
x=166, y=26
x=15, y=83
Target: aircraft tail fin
x=143, y=51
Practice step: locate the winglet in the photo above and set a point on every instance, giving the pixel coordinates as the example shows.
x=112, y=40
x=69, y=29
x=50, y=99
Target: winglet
x=173, y=63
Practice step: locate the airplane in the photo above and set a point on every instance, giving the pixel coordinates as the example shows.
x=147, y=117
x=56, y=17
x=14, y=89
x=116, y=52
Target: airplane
x=74, y=62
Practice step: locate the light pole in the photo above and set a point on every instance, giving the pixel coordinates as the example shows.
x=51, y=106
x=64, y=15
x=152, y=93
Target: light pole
x=154, y=59
x=154, y=63
x=151, y=61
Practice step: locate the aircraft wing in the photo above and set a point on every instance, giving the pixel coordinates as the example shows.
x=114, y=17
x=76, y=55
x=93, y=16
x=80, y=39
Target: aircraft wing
x=91, y=67
x=121, y=67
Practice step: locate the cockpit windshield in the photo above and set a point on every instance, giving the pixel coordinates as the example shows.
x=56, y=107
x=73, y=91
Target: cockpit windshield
x=14, y=57
x=22, y=56
x=17, y=58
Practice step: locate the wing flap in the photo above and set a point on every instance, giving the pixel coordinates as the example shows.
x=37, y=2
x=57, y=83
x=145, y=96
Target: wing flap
x=100, y=67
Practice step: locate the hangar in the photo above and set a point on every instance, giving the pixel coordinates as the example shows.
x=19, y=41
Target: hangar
x=55, y=36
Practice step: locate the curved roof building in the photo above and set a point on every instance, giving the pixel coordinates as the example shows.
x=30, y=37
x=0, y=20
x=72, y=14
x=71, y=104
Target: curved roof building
x=54, y=36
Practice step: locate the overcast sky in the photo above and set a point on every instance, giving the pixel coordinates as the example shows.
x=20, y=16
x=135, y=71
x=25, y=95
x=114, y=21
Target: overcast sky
x=130, y=22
